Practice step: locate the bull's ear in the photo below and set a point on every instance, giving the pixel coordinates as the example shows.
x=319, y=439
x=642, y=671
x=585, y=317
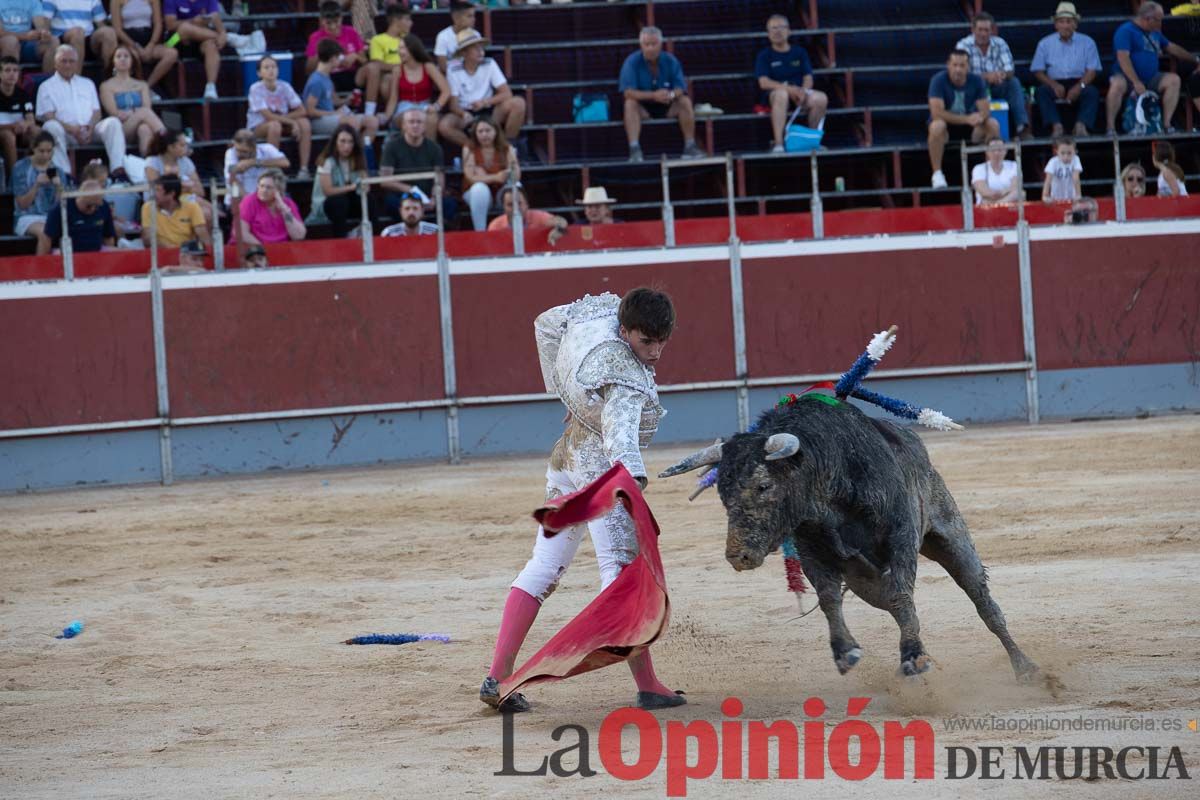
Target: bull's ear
x=781, y=445
x=705, y=457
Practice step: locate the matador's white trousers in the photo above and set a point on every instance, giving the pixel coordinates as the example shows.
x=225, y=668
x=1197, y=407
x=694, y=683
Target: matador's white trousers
x=613, y=535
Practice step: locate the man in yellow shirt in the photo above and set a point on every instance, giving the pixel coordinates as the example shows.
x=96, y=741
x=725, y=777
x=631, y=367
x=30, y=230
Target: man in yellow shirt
x=179, y=221
x=384, y=56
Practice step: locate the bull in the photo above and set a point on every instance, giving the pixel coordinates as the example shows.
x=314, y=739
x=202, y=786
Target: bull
x=860, y=499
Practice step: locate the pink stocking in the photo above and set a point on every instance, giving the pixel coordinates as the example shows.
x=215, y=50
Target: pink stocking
x=520, y=610
x=643, y=675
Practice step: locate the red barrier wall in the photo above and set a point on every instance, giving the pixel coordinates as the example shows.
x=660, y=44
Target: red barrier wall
x=1103, y=302
x=76, y=360
x=303, y=345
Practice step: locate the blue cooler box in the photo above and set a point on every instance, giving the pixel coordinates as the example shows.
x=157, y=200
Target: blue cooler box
x=800, y=139
x=1000, y=113
x=250, y=68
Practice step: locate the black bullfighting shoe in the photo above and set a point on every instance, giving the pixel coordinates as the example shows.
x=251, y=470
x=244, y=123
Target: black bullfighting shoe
x=652, y=702
x=490, y=694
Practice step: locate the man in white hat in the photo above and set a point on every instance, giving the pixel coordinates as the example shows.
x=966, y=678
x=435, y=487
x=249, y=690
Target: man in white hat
x=1138, y=44
x=1065, y=65
x=477, y=88
x=597, y=205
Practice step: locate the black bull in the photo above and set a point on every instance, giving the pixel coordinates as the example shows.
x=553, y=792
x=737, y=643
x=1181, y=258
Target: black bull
x=860, y=499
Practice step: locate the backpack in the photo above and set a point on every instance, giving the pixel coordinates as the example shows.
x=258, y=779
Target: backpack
x=1142, y=116
x=590, y=107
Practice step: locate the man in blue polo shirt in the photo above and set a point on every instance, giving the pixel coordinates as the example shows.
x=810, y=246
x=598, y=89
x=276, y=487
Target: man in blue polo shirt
x=959, y=107
x=654, y=86
x=785, y=76
x=1138, y=44
x=89, y=221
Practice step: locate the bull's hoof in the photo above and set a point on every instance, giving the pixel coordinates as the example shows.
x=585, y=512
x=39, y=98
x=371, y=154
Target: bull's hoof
x=1027, y=672
x=915, y=665
x=846, y=661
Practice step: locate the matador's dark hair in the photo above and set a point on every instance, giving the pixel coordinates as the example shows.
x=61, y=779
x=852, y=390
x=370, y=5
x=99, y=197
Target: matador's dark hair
x=649, y=311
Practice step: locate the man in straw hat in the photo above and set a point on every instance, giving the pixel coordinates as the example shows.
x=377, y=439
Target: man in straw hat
x=478, y=88
x=1065, y=65
x=1138, y=44
x=597, y=205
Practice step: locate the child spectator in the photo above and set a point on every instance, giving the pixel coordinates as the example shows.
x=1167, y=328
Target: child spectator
x=445, y=47
x=276, y=109
x=351, y=69
x=198, y=23
x=385, y=57
x=80, y=22
x=247, y=159
x=1062, y=173
x=169, y=156
x=488, y=164
x=325, y=110
x=26, y=35
x=417, y=79
x=18, y=127
x=1170, y=174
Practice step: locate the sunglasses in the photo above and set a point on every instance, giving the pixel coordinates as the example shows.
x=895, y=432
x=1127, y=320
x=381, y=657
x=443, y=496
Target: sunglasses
x=1134, y=178
x=411, y=196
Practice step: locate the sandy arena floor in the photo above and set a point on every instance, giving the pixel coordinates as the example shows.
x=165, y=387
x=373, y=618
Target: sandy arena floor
x=210, y=665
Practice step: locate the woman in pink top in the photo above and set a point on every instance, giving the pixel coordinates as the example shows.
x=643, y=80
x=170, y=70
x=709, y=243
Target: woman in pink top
x=267, y=215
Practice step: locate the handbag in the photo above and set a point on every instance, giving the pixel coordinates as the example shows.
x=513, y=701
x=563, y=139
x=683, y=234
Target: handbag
x=801, y=138
x=587, y=107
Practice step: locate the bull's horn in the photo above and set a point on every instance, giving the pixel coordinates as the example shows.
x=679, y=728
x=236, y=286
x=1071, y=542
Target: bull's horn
x=781, y=445
x=707, y=456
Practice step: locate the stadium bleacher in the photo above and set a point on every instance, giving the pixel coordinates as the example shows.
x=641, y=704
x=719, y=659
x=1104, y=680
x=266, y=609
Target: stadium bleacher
x=873, y=58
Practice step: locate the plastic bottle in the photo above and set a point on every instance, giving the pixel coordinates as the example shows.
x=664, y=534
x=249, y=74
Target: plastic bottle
x=71, y=631
x=174, y=40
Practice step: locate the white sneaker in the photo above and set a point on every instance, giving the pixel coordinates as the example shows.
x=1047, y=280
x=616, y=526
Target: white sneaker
x=777, y=149
x=939, y=180
x=210, y=91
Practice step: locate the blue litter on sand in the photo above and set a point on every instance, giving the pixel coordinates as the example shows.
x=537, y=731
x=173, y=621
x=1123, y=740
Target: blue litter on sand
x=71, y=631
x=399, y=638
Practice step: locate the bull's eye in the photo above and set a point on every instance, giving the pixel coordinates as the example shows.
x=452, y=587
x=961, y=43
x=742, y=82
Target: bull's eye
x=763, y=488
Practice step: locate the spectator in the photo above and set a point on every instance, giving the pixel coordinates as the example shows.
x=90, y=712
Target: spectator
x=25, y=32
x=179, y=221
x=255, y=257
x=531, y=218
x=446, y=45
x=416, y=79
x=340, y=168
x=996, y=180
x=785, y=76
x=139, y=26
x=411, y=223
x=36, y=184
x=477, y=84
x=1133, y=180
x=198, y=23
x=654, y=86
x=269, y=215
x=351, y=69
x=1170, y=174
x=412, y=152
x=89, y=221
x=80, y=22
x=1138, y=44
x=127, y=97
x=246, y=160
x=1062, y=173
x=953, y=93
x=320, y=100
x=488, y=164
x=991, y=59
x=1066, y=64
x=123, y=205
x=70, y=108
x=597, y=206
x=385, y=57
x=18, y=127
x=274, y=109
x=169, y=157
